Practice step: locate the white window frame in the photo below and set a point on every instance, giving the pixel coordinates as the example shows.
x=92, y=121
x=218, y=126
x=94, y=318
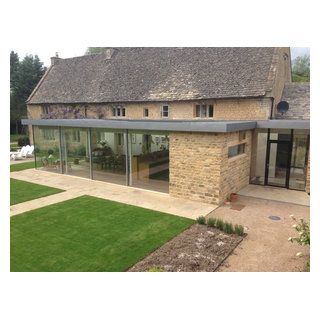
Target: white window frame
x=167, y=111
x=202, y=111
x=119, y=112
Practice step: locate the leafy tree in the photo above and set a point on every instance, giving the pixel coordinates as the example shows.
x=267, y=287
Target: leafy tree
x=24, y=76
x=301, y=69
x=92, y=50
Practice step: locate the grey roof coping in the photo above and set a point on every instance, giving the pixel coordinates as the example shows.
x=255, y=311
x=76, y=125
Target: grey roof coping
x=283, y=124
x=159, y=125
x=172, y=125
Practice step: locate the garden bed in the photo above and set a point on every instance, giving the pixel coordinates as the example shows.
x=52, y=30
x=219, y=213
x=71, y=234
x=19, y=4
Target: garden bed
x=199, y=248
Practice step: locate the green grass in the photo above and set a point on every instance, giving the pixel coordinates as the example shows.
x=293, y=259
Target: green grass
x=89, y=234
x=21, y=166
x=21, y=191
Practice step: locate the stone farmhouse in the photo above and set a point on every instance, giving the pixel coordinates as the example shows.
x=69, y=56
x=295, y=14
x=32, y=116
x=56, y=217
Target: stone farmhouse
x=197, y=123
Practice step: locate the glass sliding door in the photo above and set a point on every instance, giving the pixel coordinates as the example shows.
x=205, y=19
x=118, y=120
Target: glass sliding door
x=47, y=148
x=108, y=151
x=75, y=152
x=300, y=145
x=149, y=161
x=278, y=163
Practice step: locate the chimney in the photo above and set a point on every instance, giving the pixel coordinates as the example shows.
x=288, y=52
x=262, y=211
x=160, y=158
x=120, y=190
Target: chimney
x=55, y=59
x=109, y=52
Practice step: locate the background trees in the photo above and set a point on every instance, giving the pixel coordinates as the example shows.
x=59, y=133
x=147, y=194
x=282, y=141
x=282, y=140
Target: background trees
x=24, y=76
x=301, y=69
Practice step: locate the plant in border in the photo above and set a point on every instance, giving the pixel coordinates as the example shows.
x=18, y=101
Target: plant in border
x=201, y=220
x=211, y=222
x=303, y=228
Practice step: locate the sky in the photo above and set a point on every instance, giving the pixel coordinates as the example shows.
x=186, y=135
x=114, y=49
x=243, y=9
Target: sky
x=45, y=53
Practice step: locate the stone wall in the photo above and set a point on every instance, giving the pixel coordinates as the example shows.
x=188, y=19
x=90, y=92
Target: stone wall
x=235, y=171
x=200, y=168
x=226, y=109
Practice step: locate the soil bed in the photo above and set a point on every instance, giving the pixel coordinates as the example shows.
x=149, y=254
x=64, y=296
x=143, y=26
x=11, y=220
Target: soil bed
x=199, y=248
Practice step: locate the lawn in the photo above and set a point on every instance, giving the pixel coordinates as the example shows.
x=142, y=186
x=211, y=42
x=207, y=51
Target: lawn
x=89, y=234
x=21, y=191
x=21, y=166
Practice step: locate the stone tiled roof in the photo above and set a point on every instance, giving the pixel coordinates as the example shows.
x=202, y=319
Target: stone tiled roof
x=158, y=74
x=298, y=96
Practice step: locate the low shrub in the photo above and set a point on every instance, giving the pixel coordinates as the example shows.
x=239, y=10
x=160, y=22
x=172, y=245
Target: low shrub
x=201, y=220
x=23, y=141
x=219, y=224
x=228, y=227
x=211, y=222
x=239, y=230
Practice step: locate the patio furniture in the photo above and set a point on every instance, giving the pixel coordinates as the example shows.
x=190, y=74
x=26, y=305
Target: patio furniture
x=29, y=153
x=20, y=154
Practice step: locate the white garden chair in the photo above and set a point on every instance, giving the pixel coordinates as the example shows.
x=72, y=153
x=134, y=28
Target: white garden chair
x=20, y=154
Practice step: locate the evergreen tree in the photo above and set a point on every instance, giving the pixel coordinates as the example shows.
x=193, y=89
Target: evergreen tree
x=24, y=76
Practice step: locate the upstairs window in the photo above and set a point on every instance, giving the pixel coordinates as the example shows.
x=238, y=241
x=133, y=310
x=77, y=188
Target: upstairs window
x=204, y=111
x=146, y=112
x=165, y=111
x=45, y=109
x=118, y=111
x=76, y=135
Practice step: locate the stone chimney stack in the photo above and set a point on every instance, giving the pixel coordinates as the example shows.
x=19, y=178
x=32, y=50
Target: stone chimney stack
x=55, y=59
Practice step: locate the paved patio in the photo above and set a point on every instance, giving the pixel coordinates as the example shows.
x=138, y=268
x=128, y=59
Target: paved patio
x=76, y=187
x=276, y=194
x=266, y=246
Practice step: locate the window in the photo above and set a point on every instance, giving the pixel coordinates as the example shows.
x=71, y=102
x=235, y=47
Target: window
x=146, y=112
x=119, y=139
x=242, y=135
x=48, y=134
x=236, y=150
x=165, y=111
x=204, y=111
x=76, y=135
x=118, y=111
x=45, y=109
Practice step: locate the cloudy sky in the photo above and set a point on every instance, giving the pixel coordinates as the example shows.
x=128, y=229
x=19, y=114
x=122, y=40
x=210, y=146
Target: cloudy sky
x=45, y=53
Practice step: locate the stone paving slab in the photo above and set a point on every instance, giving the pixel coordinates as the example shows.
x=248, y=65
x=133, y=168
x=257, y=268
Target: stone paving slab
x=276, y=194
x=76, y=186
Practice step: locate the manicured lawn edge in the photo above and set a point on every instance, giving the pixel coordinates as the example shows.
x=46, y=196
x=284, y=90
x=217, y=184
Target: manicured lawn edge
x=89, y=234
x=22, y=191
x=22, y=166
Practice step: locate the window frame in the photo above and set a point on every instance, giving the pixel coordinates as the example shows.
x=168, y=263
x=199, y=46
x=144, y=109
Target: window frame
x=163, y=111
x=146, y=112
x=119, y=111
x=204, y=111
x=48, y=134
x=241, y=149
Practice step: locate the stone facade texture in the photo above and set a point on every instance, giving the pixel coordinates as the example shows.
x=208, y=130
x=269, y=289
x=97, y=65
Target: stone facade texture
x=200, y=168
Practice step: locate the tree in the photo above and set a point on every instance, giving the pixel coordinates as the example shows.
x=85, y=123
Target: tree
x=301, y=69
x=24, y=76
x=93, y=50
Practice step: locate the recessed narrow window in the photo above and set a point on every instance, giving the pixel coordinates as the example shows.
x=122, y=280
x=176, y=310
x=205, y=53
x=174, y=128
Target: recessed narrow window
x=210, y=111
x=118, y=111
x=45, y=109
x=146, y=112
x=114, y=111
x=236, y=150
x=76, y=135
x=123, y=112
x=165, y=111
x=198, y=107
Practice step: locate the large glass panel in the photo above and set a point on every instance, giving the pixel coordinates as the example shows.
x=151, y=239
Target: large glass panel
x=278, y=163
x=298, y=160
x=259, y=150
x=47, y=150
x=150, y=161
x=75, y=152
x=108, y=150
